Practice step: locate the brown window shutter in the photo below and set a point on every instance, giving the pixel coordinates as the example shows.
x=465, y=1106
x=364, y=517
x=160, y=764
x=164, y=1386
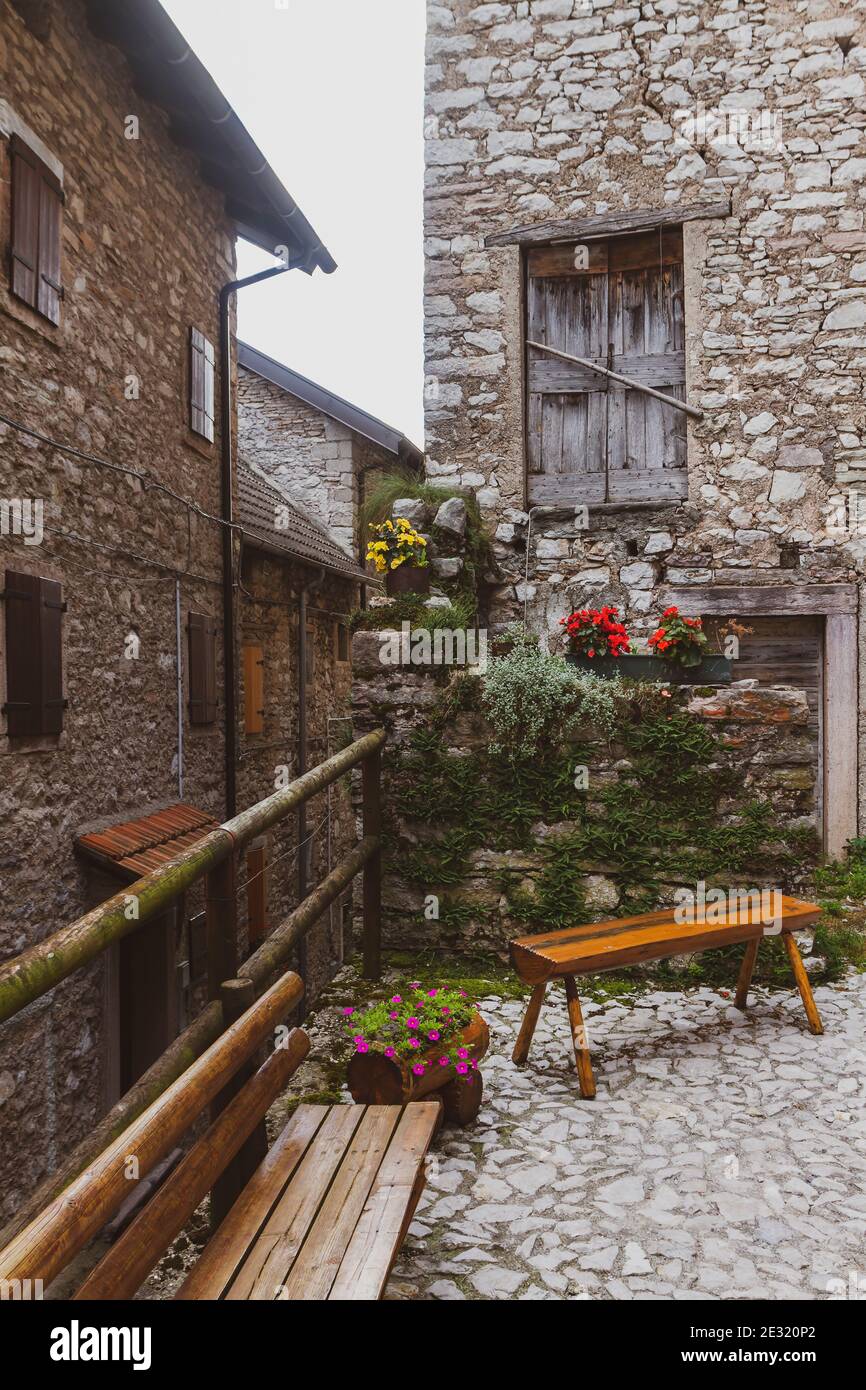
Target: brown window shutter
x=254, y=690
x=257, y=894
x=202, y=669
x=37, y=212
x=201, y=384
x=34, y=655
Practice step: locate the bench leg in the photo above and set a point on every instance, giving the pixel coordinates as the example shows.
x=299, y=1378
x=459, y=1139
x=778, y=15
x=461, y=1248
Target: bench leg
x=802, y=979
x=745, y=977
x=578, y=1037
x=527, y=1027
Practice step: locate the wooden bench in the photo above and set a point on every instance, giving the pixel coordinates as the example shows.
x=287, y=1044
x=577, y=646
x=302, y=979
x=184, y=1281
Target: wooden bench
x=320, y=1215
x=624, y=941
x=325, y=1214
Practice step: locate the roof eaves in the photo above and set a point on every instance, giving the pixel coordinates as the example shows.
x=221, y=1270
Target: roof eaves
x=169, y=73
x=352, y=416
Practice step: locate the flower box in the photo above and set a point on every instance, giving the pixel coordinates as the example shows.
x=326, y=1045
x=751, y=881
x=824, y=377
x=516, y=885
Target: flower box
x=375, y=1079
x=408, y=579
x=710, y=670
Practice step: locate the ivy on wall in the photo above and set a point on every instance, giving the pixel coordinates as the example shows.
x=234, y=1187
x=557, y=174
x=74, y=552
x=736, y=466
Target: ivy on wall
x=651, y=822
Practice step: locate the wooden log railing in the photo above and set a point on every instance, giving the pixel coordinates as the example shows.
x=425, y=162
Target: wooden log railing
x=37, y=970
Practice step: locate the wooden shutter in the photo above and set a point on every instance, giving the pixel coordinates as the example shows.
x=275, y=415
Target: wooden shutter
x=34, y=655
x=257, y=894
x=342, y=642
x=201, y=384
x=37, y=212
x=254, y=690
x=202, y=669
x=624, y=310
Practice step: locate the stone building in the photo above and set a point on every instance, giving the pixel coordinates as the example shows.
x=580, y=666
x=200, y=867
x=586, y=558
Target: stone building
x=672, y=191
x=298, y=588
x=322, y=448
x=124, y=182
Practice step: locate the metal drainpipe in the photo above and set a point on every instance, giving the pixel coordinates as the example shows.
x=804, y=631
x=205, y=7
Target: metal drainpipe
x=229, y=652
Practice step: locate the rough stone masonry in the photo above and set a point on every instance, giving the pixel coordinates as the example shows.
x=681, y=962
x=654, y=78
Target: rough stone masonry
x=548, y=109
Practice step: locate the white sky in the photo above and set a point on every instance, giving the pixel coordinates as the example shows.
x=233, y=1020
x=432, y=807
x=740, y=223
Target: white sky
x=333, y=95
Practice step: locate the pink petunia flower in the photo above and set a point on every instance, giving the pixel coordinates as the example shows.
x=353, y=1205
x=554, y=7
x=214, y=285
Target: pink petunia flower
x=444, y=1061
x=394, y=1015
x=359, y=1038
x=390, y=1052
x=362, y=1047
x=462, y=1052
x=434, y=1036
x=462, y=1068
x=396, y=999
x=419, y=1069
x=414, y=1042
x=431, y=993
x=412, y=1022
x=346, y=1012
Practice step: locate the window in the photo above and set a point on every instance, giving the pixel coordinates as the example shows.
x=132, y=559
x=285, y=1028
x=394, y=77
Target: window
x=34, y=649
x=37, y=212
x=254, y=690
x=618, y=302
x=201, y=384
x=342, y=642
x=202, y=669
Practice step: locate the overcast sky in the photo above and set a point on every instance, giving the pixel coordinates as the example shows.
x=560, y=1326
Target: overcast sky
x=333, y=95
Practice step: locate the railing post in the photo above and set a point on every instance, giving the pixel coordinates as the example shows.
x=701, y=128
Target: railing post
x=221, y=923
x=237, y=996
x=371, y=790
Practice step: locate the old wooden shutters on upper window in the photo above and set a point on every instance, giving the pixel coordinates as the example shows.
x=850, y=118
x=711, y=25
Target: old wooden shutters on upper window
x=34, y=665
x=201, y=384
x=202, y=669
x=619, y=303
x=37, y=203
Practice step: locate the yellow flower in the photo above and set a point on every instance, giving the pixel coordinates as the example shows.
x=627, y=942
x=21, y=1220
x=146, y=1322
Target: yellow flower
x=395, y=564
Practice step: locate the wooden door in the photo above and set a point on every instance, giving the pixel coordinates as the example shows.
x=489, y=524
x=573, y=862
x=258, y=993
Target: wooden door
x=787, y=651
x=619, y=303
x=144, y=1000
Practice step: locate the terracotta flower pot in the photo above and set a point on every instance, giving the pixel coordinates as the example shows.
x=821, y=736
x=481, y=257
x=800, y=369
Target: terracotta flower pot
x=408, y=579
x=375, y=1079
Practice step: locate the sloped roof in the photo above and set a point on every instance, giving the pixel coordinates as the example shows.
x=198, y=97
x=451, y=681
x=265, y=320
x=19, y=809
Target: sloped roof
x=132, y=848
x=168, y=73
x=273, y=521
x=361, y=421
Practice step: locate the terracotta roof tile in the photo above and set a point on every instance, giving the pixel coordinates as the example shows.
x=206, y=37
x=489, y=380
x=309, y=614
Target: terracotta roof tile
x=134, y=847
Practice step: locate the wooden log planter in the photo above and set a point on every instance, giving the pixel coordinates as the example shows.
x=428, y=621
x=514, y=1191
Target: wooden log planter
x=375, y=1079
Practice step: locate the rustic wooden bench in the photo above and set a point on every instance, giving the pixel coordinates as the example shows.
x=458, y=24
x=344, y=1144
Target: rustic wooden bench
x=320, y=1215
x=325, y=1214
x=624, y=941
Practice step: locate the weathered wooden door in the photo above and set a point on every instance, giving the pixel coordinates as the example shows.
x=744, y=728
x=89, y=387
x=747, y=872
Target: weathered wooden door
x=617, y=302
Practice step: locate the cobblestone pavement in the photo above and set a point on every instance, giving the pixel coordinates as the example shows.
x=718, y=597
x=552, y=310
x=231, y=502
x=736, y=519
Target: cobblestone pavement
x=723, y=1158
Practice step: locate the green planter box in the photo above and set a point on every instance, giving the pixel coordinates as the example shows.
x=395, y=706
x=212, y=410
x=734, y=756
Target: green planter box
x=712, y=670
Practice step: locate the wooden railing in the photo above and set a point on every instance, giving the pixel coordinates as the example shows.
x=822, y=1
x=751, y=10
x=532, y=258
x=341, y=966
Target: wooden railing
x=241, y=997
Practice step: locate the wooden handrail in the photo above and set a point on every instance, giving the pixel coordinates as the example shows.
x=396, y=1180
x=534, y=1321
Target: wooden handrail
x=38, y=969
x=66, y=1225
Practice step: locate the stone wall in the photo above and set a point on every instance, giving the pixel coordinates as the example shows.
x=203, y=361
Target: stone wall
x=318, y=460
x=545, y=109
x=146, y=246
x=763, y=757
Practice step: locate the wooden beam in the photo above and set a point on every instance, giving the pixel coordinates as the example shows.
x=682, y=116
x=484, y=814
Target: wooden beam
x=633, y=385
x=608, y=224
x=57, y=1234
x=757, y=600
x=126, y=1265
x=840, y=732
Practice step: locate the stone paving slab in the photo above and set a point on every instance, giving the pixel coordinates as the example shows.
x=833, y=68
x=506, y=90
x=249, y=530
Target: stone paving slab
x=723, y=1158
